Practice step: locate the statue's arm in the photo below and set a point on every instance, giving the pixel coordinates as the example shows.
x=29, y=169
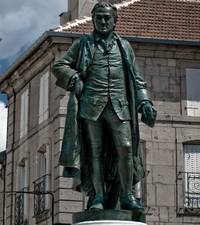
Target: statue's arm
x=140, y=84
x=143, y=102
x=64, y=69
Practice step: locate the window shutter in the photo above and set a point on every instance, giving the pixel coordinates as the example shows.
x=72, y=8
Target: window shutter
x=20, y=177
x=26, y=94
x=41, y=100
x=44, y=97
x=22, y=116
x=24, y=113
x=192, y=158
x=41, y=164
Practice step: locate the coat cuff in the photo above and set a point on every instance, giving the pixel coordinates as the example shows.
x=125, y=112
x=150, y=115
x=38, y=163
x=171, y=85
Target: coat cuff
x=142, y=98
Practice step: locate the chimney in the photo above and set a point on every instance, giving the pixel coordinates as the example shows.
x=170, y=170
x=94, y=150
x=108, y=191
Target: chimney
x=64, y=18
x=81, y=8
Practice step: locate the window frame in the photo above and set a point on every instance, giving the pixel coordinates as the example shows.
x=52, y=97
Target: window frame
x=184, y=65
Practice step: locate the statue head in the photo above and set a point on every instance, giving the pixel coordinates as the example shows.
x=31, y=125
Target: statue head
x=104, y=18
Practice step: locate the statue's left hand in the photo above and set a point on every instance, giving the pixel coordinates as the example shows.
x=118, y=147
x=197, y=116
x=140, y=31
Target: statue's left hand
x=78, y=87
x=148, y=114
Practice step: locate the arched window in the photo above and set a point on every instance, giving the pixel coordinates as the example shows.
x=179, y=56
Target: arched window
x=41, y=184
x=21, y=198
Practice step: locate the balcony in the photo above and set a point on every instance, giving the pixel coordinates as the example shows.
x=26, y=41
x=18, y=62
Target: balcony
x=40, y=198
x=188, y=193
x=192, y=190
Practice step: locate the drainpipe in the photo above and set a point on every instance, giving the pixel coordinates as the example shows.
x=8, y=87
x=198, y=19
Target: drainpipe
x=13, y=142
x=3, y=177
x=4, y=193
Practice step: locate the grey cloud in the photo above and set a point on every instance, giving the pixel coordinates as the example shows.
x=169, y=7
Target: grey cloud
x=10, y=6
x=23, y=21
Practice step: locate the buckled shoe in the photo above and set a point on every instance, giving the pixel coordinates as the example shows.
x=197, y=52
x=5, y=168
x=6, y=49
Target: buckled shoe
x=129, y=202
x=97, y=203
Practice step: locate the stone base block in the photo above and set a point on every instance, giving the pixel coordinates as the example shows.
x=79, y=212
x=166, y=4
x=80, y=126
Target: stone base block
x=109, y=215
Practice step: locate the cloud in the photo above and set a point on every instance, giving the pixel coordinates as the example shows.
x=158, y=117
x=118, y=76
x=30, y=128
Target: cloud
x=23, y=21
x=3, y=125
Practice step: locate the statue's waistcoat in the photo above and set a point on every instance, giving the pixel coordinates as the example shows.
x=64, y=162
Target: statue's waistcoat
x=105, y=80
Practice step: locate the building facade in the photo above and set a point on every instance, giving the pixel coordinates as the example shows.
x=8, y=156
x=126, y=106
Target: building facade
x=36, y=191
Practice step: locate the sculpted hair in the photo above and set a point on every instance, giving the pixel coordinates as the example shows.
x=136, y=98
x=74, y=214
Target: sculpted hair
x=105, y=5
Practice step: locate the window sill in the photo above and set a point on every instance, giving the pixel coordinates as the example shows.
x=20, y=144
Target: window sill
x=189, y=212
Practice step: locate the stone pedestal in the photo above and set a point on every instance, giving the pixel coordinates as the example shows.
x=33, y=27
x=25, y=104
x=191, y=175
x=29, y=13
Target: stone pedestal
x=108, y=217
x=110, y=222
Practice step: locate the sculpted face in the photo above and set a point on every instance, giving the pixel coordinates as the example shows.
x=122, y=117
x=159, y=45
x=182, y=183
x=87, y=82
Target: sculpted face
x=104, y=21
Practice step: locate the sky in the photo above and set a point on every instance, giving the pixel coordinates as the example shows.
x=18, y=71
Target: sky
x=21, y=23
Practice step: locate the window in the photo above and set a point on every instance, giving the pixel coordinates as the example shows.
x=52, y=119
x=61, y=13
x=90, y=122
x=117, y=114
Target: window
x=44, y=97
x=192, y=176
x=41, y=184
x=21, y=200
x=24, y=113
x=21, y=177
x=42, y=162
x=193, y=92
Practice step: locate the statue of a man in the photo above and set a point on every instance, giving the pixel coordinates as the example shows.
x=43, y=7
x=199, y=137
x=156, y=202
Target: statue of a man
x=101, y=132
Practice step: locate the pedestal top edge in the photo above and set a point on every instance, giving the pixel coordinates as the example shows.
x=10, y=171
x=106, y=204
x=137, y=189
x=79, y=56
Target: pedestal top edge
x=109, y=222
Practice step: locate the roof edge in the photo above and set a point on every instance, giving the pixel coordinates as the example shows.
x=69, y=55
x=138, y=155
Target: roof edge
x=136, y=39
x=52, y=33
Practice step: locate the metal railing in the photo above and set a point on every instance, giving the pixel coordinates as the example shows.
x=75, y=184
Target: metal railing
x=40, y=200
x=192, y=190
x=17, y=193
x=19, y=207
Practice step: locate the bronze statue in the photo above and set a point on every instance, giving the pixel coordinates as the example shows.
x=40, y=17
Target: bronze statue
x=101, y=138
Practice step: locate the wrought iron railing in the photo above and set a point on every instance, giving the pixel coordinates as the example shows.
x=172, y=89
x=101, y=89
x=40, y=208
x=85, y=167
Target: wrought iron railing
x=192, y=190
x=19, y=207
x=40, y=199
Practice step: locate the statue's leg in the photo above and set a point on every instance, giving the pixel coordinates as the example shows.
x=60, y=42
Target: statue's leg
x=122, y=139
x=121, y=134
x=93, y=130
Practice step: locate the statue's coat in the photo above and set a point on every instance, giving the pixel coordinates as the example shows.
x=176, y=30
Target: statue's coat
x=73, y=153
